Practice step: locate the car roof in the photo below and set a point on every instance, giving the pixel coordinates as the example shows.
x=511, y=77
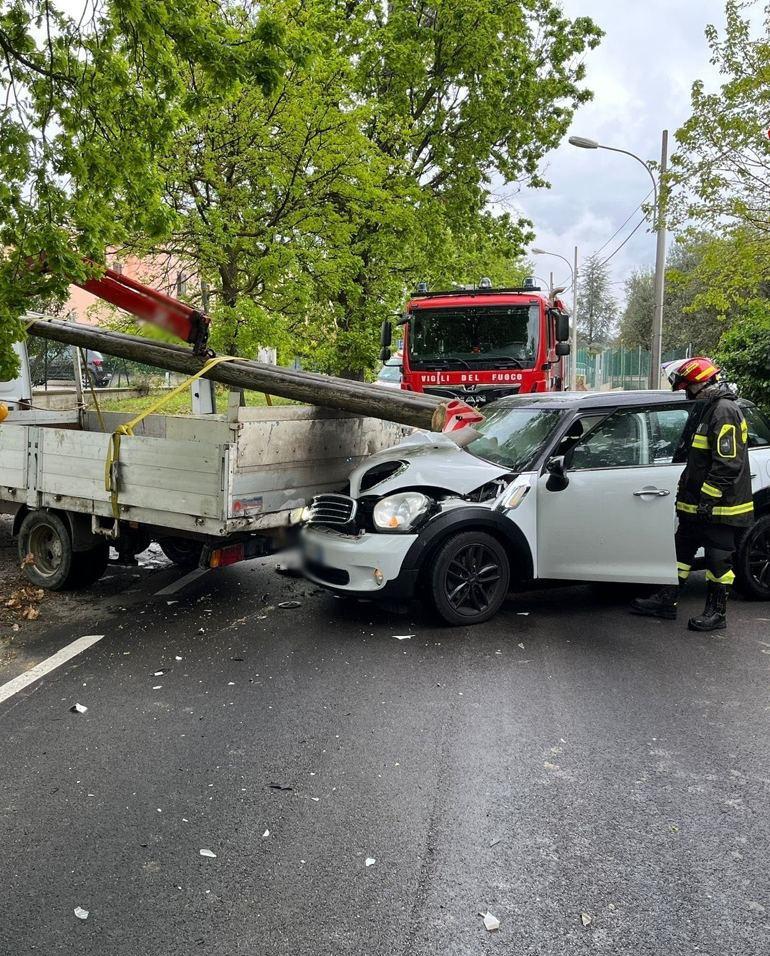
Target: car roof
x=578, y=400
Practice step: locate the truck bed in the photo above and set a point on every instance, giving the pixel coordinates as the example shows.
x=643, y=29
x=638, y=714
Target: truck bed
x=207, y=475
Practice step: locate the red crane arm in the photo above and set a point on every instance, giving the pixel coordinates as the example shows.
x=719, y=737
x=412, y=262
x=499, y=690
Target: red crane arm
x=153, y=306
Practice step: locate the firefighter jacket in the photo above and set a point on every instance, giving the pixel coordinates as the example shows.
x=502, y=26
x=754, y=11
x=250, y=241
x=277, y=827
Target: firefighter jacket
x=716, y=482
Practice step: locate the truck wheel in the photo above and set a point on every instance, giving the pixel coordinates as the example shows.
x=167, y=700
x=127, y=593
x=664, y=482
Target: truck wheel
x=470, y=577
x=89, y=566
x=184, y=552
x=45, y=550
x=752, y=561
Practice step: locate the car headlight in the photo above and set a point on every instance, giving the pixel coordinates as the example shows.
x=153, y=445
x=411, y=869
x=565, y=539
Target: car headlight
x=400, y=512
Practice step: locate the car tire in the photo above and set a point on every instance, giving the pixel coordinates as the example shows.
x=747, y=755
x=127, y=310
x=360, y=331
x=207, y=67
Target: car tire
x=752, y=561
x=184, y=552
x=89, y=566
x=45, y=551
x=469, y=578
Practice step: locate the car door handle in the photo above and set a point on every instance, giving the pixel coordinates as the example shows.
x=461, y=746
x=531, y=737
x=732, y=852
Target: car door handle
x=656, y=492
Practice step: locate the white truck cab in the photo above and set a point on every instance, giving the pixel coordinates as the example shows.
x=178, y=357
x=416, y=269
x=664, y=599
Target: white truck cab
x=560, y=486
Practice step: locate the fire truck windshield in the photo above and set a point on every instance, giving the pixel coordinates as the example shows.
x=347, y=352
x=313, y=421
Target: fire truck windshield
x=506, y=336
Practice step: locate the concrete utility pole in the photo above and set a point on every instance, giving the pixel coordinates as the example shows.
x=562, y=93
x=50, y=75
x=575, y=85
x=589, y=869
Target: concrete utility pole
x=660, y=267
x=658, y=189
x=574, y=343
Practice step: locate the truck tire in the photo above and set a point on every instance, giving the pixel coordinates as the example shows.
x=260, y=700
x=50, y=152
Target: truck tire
x=45, y=550
x=89, y=566
x=184, y=552
x=752, y=561
x=469, y=578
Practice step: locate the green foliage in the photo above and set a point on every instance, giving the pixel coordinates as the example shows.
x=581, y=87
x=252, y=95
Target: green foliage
x=309, y=199
x=744, y=353
x=721, y=167
x=597, y=308
x=89, y=106
x=688, y=319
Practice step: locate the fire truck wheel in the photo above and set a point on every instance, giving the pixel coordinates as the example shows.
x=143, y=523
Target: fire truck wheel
x=469, y=578
x=45, y=550
x=184, y=552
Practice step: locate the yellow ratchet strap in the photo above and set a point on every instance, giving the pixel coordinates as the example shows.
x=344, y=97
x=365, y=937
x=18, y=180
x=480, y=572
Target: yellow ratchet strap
x=727, y=578
x=113, y=446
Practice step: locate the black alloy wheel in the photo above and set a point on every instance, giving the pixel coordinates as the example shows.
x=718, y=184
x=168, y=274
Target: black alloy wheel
x=470, y=578
x=752, y=565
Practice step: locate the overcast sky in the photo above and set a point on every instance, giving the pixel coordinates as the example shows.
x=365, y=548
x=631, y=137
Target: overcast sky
x=641, y=76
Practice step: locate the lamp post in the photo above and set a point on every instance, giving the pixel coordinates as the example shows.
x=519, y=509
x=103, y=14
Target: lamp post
x=659, y=190
x=573, y=329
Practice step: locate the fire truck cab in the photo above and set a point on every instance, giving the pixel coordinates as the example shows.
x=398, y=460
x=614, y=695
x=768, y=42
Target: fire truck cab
x=482, y=344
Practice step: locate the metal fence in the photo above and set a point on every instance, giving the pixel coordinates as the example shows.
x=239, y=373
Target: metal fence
x=618, y=368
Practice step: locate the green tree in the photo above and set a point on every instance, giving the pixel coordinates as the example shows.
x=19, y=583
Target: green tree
x=687, y=321
x=744, y=353
x=89, y=102
x=597, y=308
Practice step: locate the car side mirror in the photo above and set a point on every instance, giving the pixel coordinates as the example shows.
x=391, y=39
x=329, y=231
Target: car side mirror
x=386, y=335
x=562, y=349
x=562, y=327
x=557, y=474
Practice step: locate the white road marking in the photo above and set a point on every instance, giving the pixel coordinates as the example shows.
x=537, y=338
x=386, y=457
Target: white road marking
x=183, y=582
x=48, y=665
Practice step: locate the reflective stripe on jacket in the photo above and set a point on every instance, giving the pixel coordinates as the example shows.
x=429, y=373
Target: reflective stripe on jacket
x=716, y=481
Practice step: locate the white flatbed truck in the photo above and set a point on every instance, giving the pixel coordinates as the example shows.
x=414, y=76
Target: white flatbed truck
x=211, y=489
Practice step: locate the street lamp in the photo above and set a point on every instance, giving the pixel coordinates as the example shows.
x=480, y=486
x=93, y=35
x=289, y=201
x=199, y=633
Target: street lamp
x=659, y=225
x=573, y=329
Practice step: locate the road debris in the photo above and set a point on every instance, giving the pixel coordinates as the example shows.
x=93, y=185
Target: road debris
x=491, y=923
x=521, y=646
x=279, y=786
x=159, y=673
x=81, y=913
x=289, y=605
x=208, y=854
x=495, y=841
x=265, y=834
x=177, y=658
x=78, y=708
x=370, y=861
x=403, y=637
x=585, y=919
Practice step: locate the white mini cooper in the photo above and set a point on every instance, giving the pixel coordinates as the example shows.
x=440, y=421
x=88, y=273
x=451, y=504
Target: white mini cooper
x=562, y=486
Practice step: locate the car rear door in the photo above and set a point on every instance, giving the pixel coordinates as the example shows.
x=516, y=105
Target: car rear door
x=615, y=519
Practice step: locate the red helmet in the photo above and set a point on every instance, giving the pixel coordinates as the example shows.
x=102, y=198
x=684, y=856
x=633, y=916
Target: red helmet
x=692, y=371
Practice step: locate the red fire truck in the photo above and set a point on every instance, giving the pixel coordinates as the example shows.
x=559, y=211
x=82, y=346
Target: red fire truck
x=481, y=344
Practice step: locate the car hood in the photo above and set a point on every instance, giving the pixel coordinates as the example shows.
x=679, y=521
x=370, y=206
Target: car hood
x=428, y=460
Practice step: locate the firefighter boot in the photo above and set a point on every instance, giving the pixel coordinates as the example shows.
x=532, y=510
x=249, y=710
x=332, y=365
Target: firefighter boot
x=663, y=603
x=714, y=617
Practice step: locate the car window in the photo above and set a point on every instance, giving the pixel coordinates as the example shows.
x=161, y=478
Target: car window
x=759, y=429
x=619, y=442
x=632, y=437
x=666, y=427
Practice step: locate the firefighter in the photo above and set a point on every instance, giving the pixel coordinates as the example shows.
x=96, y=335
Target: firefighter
x=714, y=499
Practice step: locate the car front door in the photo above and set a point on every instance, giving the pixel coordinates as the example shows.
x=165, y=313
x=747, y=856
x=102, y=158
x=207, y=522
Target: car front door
x=615, y=519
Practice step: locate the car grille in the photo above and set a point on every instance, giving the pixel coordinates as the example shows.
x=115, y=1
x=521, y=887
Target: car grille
x=334, y=511
x=481, y=395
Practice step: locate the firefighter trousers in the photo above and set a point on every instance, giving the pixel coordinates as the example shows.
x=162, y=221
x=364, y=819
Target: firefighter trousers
x=717, y=540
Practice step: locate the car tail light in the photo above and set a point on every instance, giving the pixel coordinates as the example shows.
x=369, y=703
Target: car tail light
x=231, y=554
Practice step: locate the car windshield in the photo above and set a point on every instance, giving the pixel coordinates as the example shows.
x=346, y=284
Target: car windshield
x=390, y=373
x=504, y=336
x=513, y=437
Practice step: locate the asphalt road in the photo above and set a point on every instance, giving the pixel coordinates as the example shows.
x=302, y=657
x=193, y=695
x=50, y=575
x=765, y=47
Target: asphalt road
x=566, y=764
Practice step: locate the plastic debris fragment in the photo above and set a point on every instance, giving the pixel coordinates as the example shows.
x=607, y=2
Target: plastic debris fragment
x=403, y=637
x=78, y=708
x=81, y=913
x=208, y=854
x=585, y=919
x=266, y=834
x=288, y=605
x=491, y=923
x=370, y=861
